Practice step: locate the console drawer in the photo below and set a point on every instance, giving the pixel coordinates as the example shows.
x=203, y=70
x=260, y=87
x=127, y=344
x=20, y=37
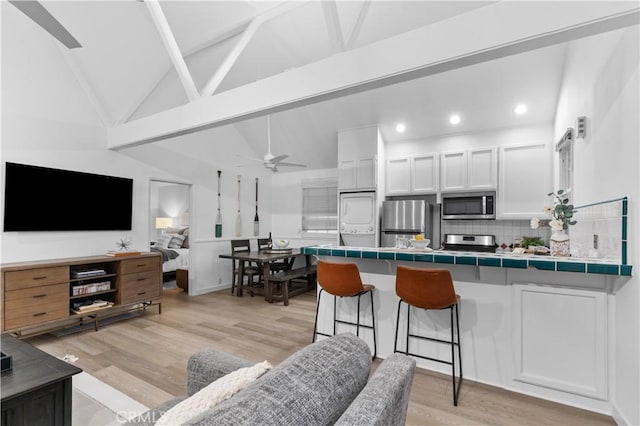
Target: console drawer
x=36, y=305
x=139, y=287
x=16, y=280
x=141, y=264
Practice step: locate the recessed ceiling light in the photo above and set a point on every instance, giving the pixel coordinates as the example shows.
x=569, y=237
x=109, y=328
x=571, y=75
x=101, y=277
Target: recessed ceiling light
x=520, y=109
x=454, y=119
x=400, y=127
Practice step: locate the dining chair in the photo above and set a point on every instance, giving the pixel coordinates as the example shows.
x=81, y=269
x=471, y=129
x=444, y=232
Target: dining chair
x=250, y=271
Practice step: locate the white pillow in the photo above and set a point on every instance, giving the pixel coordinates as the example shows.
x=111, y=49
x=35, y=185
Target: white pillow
x=176, y=241
x=164, y=240
x=213, y=394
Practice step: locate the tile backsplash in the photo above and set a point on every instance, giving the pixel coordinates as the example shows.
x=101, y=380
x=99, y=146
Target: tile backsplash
x=506, y=231
x=607, y=222
x=604, y=222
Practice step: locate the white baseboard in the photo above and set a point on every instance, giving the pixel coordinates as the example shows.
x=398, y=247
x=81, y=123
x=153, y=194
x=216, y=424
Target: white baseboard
x=116, y=401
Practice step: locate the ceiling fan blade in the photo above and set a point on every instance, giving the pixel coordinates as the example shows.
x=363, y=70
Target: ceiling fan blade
x=279, y=158
x=46, y=20
x=292, y=165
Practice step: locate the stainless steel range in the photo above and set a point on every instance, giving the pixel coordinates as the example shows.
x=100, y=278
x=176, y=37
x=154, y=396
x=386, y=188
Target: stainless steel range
x=461, y=242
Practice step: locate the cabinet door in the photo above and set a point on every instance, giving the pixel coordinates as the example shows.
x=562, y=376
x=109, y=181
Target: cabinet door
x=454, y=171
x=482, y=168
x=524, y=180
x=366, y=173
x=565, y=348
x=347, y=174
x=424, y=173
x=398, y=176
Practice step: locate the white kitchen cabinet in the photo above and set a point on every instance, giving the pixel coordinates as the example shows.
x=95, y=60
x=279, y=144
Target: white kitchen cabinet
x=357, y=153
x=482, y=166
x=560, y=339
x=398, y=176
x=424, y=173
x=415, y=174
x=524, y=180
x=469, y=169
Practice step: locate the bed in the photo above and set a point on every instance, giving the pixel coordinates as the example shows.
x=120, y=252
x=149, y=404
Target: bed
x=174, y=248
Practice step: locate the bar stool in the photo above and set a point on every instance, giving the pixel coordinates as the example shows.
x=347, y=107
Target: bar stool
x=429, y=289
x=343, y=280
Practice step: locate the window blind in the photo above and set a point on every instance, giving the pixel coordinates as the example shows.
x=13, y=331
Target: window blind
x=320, y=206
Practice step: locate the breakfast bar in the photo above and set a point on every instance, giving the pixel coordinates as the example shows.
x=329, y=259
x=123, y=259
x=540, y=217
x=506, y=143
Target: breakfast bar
x=532, y=324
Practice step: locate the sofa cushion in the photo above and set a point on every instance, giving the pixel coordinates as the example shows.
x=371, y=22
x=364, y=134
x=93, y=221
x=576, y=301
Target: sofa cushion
x=314, y=386
x=213, y=394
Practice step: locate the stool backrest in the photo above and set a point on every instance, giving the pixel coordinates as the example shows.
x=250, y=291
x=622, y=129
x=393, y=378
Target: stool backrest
x=339, y=279
x=425, y=288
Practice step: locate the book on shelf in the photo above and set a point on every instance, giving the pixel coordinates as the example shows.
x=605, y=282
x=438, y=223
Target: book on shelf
x=92, y=305
x=88, y=273
x=121, y=253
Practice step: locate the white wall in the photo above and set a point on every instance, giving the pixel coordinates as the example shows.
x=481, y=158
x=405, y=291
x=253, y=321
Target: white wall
x=601, y=83
x=48, y=121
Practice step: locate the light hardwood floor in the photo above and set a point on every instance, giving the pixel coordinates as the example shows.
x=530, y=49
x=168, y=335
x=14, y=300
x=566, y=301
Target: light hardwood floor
x=145, y=358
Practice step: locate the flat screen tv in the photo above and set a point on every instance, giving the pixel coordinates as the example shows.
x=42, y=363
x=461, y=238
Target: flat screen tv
x=45, y=199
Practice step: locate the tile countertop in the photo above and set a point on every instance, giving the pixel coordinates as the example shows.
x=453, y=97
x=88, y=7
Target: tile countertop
x=498, y=260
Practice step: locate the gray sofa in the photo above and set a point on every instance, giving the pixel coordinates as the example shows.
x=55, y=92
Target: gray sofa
x=324, y=383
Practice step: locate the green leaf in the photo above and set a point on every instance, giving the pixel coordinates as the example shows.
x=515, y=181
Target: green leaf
x=560, y=191
x=551, y=193
x=565, y=201
x=572, y=222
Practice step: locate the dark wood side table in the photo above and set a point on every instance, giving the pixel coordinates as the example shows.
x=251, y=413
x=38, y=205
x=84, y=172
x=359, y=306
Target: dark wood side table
x=37, y=390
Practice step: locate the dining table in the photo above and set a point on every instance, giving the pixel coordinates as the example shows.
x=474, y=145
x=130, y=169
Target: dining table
x=264, y=259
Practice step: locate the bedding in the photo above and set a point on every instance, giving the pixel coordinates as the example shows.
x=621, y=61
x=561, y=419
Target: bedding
x=174, y=247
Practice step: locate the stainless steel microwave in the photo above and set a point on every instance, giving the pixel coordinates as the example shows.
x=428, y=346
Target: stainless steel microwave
x=471, y=205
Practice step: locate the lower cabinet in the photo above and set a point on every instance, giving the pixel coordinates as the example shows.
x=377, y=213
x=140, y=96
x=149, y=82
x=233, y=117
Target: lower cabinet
x=560, y=339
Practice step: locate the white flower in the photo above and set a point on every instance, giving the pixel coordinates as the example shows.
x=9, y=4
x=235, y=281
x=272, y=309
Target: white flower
x=548, y=210
x=556, y=225
x=535, y=223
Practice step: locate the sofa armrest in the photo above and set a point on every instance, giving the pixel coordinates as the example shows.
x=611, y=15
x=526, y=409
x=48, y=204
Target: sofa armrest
x=208, y=365
x=385, y=398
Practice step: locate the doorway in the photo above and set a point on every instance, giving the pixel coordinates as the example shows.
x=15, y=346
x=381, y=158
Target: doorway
x=170, y=229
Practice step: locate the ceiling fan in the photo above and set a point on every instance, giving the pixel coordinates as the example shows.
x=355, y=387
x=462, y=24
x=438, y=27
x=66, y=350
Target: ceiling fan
x=271, y=161
x=41, y=16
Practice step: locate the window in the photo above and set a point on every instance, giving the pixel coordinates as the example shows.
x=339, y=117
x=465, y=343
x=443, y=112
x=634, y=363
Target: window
x=564, y=148
x=320, y=207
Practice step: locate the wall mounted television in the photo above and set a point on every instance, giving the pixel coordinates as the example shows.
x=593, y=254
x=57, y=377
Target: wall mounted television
x=45, y=199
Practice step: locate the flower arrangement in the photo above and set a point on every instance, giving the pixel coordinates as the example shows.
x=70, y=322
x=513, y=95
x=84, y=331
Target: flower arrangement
x=561, y=211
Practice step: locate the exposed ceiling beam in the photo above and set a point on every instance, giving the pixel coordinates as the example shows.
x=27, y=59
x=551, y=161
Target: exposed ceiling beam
x=357, y=27
x=172, y=48
x=46, y=21
x=231, y=58
x=332, y=20
x=501, y=29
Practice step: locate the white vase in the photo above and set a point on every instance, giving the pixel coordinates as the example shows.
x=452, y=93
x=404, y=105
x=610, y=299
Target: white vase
x=559, y=244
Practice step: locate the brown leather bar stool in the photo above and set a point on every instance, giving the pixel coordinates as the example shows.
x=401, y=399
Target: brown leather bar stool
x=343, y=280
x=429, y=289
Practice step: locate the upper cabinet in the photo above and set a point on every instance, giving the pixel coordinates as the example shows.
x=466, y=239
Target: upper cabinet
x=357, y=153
x=525, y=180
x=416, y=174
x=469, y=169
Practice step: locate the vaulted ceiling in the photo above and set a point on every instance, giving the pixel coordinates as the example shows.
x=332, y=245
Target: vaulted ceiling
x=127, y=70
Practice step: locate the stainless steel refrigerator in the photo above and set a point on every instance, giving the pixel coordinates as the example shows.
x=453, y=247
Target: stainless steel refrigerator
x=405, y=219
